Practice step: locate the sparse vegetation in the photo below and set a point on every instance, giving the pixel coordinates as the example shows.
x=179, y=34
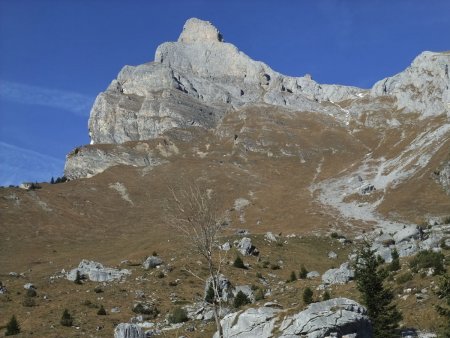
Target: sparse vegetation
x=326, y=295
x=146, y=309
x=403, y=278
x=66, y=318
x=31, y=292
x=78, y=278
x=428, y=259
x=28, y=301
x=12, y=328
x=259, y=294
x=292, y=277
x=395, y=264
x=179, y=315
x=240, y=299
x=443, y=292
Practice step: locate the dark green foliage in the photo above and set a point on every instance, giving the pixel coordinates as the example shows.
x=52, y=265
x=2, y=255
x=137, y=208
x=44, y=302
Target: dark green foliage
x=52, y=181
x=239, y=263
x=428, y=259
x=378, y=300
x=443, y=293
x=209, y=297
x=160, y=274
x=303, y=272
x=12, y=328
x=406, y=277
x=308, y=295
x=395, y=264
x=154, y=253
x=77, y=278
x=275, y=266
x=179, y=315
x=66, y=319
x=240, y=299
x=293, y=277
x=326, y=295
x=101, y=311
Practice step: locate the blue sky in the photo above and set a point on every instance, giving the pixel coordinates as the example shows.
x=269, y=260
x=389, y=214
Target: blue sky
x=56, y=56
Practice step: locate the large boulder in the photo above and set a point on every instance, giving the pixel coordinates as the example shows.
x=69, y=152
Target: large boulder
x=246, y=247
x=96, y=272
x=225, y=288
x=339, y=316
x=335, y=317
x=126, y=330
x=341, y=275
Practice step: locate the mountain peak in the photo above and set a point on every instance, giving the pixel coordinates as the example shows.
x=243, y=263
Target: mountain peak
x=196, y=30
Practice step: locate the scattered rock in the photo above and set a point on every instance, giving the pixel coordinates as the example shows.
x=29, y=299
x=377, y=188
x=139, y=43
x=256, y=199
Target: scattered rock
x=245, y=247
x=341, y=275
x=312, y=274
x=269, y=236
x=332, y=255
x=225, y=246
x=29, y=286
x=96, y=272
x=152, y=262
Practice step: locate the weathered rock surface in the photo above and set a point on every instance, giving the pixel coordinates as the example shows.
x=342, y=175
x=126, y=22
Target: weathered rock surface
x=125, y=330
x=246, y=247
x=96, y=272
x=340, y=316
x=152, y=262
x=224, y=287
x=341, y=275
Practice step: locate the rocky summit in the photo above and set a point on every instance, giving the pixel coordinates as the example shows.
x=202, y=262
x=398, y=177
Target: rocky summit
x=304, y=171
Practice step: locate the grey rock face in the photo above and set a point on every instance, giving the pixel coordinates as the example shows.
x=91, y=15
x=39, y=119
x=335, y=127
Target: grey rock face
x=423, y=87
x=195, y=81
x=341, y=275
x=335, y=316
x=125, y=330
x=96, y=272
x=246, y=247
x=340, y=316
x=152, y=262
x=246, y=290
x=443, y=176
x=312, y=274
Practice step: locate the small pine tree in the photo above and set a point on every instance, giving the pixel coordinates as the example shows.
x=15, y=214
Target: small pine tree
x=66, y=319
x=12, y=328
x=308, y=295
x=395, y=264
x=369, y=280
x=101, y=311
x=443, y=309
x=293, y=277
x=303, y=272
x=239, y=263
x=77, y=278
x=240, y=299
x=326, y=295
x=52, y=181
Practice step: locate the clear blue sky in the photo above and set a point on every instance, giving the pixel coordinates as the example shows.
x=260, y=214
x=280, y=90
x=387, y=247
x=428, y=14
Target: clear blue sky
x=56, y=56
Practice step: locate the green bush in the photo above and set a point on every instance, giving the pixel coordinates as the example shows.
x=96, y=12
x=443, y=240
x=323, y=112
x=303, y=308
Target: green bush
x=12, y=328
x=66, y=319
x=31, y=292
x=275, y=267
x=326, y=295
x=147, y=309
x=101, y=311
x=303, y=272
x=179, y=315
x=240, y=299
x=428, y=259
x=308, y=295
x=395, y=264
x=239, y=263
x=28, y=302
x=406, y=277
x=292, y=277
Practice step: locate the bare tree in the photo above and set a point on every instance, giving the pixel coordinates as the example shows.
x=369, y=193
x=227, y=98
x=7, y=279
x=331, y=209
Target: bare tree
x=192, y=211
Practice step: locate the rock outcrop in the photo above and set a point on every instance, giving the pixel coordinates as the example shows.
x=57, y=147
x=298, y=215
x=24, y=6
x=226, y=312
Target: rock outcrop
x=96, y=272
x=341, y=275
x=339, y=316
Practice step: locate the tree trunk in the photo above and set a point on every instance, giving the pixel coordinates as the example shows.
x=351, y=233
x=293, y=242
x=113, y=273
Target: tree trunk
x=217, y=318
